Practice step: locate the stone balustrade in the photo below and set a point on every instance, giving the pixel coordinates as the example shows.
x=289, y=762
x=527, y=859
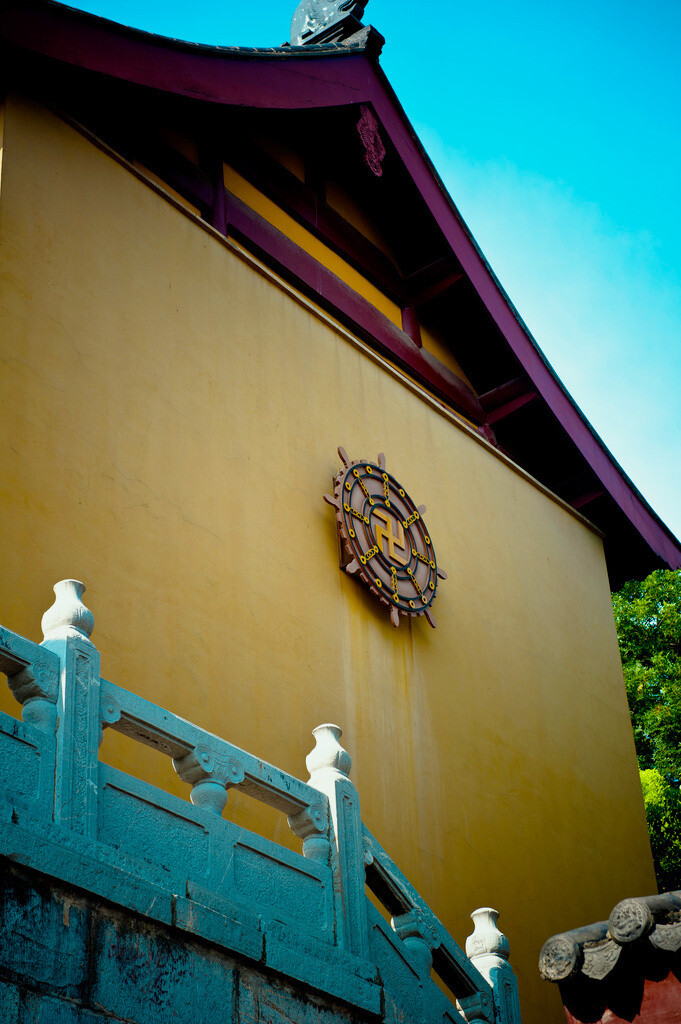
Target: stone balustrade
x=184, y=865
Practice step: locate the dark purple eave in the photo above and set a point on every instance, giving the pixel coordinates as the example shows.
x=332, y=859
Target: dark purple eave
x=295, y=78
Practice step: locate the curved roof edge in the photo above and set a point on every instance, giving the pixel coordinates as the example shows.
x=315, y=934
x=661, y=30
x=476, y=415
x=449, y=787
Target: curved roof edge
x=340, y=74
x=366, y=39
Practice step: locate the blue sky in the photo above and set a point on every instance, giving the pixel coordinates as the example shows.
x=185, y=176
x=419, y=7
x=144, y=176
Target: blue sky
x=556, y=128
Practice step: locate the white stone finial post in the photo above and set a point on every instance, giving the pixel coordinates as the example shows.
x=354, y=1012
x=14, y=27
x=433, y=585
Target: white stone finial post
x=68, y=616
x=486, y=939
x=488, y=950
x=328, y=755
x=67, y=625
x=312, y=823
x=329, y=767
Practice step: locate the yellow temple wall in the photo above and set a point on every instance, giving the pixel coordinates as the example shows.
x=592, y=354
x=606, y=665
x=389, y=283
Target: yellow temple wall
x=170, y=417
x=268, y=209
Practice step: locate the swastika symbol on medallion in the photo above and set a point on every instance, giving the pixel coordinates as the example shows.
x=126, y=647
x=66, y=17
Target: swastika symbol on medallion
x=387, y=534
x=384, y=539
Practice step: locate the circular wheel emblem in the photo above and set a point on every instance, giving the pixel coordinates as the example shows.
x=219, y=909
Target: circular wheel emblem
x=384, y=539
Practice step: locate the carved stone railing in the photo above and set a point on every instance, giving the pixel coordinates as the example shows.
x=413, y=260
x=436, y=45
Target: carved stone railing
x=70, y=816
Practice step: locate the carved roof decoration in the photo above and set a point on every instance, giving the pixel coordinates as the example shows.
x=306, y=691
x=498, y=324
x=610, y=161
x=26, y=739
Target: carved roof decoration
x=642, y=925
x=329, y=92
x=326, y=21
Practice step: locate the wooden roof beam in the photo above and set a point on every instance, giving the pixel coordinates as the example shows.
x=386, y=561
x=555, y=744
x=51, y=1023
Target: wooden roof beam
x=437, y=288
x=351, y=308
x=510, y=407
x=585, y=499
x=507, y=398
x=431, y=281
x=580, y=490
x=304, y=203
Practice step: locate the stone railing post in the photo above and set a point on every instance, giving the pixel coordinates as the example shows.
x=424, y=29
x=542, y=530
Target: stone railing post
x=66, y=626
x=487, y=948
x=329, y=767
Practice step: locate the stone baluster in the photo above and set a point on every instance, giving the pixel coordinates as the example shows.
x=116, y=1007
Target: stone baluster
x=487, y=948
x=329, y=767
x=38, y=709
x=33, y=677
x=67, y=626
x=311, y=824
x=210, y=776
x=419, y=936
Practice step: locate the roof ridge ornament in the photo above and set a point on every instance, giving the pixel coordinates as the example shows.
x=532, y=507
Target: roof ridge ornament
x=326, y=21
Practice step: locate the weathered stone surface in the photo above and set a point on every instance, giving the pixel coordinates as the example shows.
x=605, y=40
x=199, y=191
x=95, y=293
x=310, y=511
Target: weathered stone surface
x=68, y=959
x=43, y=935
x=9, y=1003
x=40, y=1009
x=146, y=967
x=278, y=1003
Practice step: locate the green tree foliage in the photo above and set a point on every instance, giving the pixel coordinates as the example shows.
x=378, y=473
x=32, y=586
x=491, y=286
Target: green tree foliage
x=648, y=620
x=663, y=811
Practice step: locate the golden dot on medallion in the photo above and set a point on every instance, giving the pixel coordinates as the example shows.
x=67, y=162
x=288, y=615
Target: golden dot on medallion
x=351, y=532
